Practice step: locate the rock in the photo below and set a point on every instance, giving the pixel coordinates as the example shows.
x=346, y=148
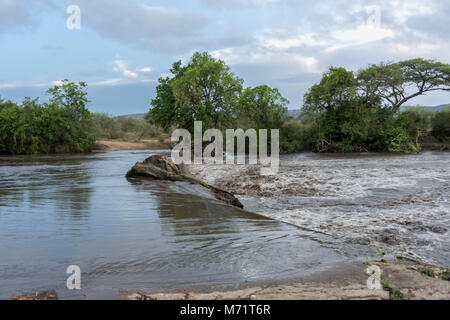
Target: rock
x=156, y=167
x=160, y=167
x=43, y=295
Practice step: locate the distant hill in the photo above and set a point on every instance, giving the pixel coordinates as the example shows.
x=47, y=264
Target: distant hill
x=431, y=108
x=293, y=113
x=137, y=116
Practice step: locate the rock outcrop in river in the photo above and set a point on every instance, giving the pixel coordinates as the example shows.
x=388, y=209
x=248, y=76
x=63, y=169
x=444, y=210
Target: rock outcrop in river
x=160, y=167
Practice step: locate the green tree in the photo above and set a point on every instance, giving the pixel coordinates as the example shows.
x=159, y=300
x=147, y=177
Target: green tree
x=106, y=127
x=72, y=96
x=441, y=125
x=164, y=110
x=416, y=122
x=61, y=125
x=349, y=115
x=262, y=107
x=397, y=83
x=336, y=87
x=203, y=90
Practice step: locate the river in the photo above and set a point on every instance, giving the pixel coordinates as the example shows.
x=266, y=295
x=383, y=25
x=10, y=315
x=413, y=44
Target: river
x=57, y=211
x=387, y=203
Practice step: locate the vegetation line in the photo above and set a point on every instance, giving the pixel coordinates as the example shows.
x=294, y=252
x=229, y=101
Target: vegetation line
x=346, y=111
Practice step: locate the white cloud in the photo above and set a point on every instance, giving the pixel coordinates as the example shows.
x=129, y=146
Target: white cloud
x=355, y=37
x=418, y=48
x=403, y=10
x=301, y=39
x=134, y=22
x=120, y=81
x=99, y=83
x=254, y=55
x=165, y=75
x=28, y=84
x=362, y=34
x=122, y=66
x=58, y=83
x=107, y=82
x=145, y=70
x=10, y=85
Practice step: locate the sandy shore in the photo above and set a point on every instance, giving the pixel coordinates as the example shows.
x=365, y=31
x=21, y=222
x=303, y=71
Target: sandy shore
x=400, y=281
x=111, y=145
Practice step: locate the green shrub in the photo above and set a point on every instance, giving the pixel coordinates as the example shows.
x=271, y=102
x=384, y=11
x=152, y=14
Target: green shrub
x=441, y=126
x=124, y=128
x=400, y=141
x=293, y=137
x=427, y=271
x=62, y=125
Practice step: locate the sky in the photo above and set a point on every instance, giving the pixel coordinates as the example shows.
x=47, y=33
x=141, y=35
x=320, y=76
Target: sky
x=121, y=48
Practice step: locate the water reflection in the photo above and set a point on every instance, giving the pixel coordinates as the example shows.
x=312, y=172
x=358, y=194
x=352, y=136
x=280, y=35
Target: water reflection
x=63, y=210
x=43, y=183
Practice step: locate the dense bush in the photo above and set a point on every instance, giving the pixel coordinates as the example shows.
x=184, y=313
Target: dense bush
x=32, y=128
x=124, y=128
x=441, y=126
x=345, y=112
x=357, y=127
x=261, y=107
x=350, y=116
x=61, y=125
x=297, y=136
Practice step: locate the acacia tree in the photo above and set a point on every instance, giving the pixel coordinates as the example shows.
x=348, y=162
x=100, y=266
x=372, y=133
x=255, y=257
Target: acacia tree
x=203, y=90
x=397, y=83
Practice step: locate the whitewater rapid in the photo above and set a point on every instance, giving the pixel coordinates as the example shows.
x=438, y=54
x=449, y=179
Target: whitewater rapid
x=397, y=203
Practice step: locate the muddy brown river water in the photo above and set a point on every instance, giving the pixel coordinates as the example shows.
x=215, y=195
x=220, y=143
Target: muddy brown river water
x=57, y=211
x=397, y=204
x=319, y=214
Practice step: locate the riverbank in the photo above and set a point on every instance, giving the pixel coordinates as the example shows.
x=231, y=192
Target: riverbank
x=115, y=145
x=399, y=282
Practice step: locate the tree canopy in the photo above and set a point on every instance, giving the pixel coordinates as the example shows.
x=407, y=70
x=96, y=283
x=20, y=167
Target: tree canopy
x=336, y=87
x=262, y=107
x=63, y=124
x=361, y=112
x=397, y=83
x=203, y=90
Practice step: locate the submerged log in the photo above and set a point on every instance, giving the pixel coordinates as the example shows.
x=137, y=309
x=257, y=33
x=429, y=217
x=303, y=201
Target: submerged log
x=160, y=167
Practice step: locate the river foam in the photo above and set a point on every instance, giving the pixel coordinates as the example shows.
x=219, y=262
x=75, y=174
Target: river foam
x=400, y=203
